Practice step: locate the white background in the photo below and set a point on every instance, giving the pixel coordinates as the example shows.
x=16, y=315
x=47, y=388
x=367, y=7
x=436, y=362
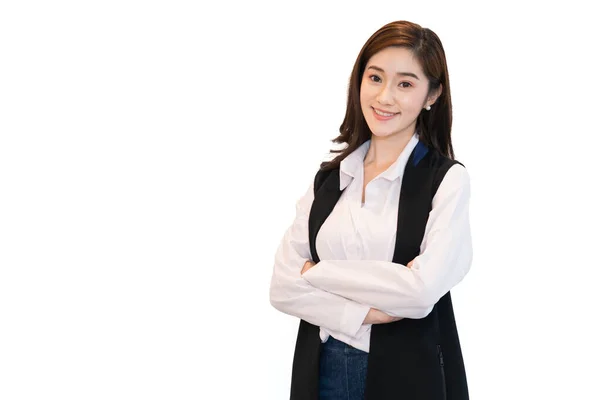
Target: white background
x=151, y=154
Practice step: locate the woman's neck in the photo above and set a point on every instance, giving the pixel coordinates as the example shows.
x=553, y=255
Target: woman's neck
x=384, y=151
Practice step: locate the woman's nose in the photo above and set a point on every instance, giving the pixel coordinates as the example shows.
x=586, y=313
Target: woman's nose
x=385, y=96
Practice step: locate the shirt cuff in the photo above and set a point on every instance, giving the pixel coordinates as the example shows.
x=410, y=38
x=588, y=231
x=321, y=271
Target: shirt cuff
x=353, y=317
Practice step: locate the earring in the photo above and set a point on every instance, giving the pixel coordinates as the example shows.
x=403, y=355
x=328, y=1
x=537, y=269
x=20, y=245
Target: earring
x=428, y=108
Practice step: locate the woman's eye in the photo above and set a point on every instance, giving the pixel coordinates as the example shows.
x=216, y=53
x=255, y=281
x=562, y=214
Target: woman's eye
x=405, y=85
x=375, y=78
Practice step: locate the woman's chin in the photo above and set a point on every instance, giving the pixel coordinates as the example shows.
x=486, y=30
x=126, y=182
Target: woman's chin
x=382, y=134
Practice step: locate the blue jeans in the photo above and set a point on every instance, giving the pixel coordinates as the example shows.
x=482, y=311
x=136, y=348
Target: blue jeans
x=343, y=371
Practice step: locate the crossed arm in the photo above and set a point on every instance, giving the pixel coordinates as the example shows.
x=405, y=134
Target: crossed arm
x=374, y=316
x=342, y=295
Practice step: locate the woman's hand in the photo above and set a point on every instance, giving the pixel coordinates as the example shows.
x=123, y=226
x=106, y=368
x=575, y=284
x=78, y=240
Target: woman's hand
x=379, y=317
x=307, y=265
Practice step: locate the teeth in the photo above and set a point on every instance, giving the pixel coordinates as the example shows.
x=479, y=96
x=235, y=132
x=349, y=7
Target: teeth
x=382, y=113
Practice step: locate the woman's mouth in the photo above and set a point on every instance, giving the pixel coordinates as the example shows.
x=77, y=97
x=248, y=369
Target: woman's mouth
x=383, y=115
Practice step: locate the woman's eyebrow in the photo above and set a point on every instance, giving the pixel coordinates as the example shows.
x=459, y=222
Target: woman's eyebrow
x=376, y=68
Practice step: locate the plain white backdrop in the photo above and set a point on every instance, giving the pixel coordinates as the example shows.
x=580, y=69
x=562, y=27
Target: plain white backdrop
x=151, y=154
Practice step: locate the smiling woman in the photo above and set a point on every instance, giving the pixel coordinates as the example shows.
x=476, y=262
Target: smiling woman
x=400, y=69
x=381, y=236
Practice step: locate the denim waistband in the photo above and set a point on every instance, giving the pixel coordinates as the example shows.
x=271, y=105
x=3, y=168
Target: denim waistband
x=332, y=344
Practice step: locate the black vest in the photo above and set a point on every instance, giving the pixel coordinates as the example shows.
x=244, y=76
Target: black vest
x=411, y=359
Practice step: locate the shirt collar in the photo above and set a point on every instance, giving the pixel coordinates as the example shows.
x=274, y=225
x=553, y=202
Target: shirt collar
x=351, y=166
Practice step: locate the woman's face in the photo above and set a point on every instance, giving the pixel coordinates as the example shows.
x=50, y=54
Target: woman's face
x=393, y=92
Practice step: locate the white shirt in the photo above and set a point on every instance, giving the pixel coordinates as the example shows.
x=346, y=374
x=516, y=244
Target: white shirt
x=356, y=244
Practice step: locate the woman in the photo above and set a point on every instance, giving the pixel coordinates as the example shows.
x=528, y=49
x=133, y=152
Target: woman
x=381, y=236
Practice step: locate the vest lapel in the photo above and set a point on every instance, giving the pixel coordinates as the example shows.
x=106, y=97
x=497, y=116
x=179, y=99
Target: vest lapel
x=410, y=208
x=325, y=200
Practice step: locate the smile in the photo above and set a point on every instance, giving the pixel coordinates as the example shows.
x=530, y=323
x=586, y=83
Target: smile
x=381, y=115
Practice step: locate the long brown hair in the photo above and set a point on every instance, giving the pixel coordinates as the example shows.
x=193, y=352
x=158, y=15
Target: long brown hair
x=433, y=126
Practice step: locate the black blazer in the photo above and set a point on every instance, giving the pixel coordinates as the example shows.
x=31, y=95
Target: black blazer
x=411, y=359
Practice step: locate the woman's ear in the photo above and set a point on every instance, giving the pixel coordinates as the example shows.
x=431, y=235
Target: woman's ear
x=434, y=96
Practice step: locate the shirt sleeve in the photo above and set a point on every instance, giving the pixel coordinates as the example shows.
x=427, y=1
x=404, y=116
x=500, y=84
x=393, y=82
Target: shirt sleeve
x=445, y=258
x=291, y=294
